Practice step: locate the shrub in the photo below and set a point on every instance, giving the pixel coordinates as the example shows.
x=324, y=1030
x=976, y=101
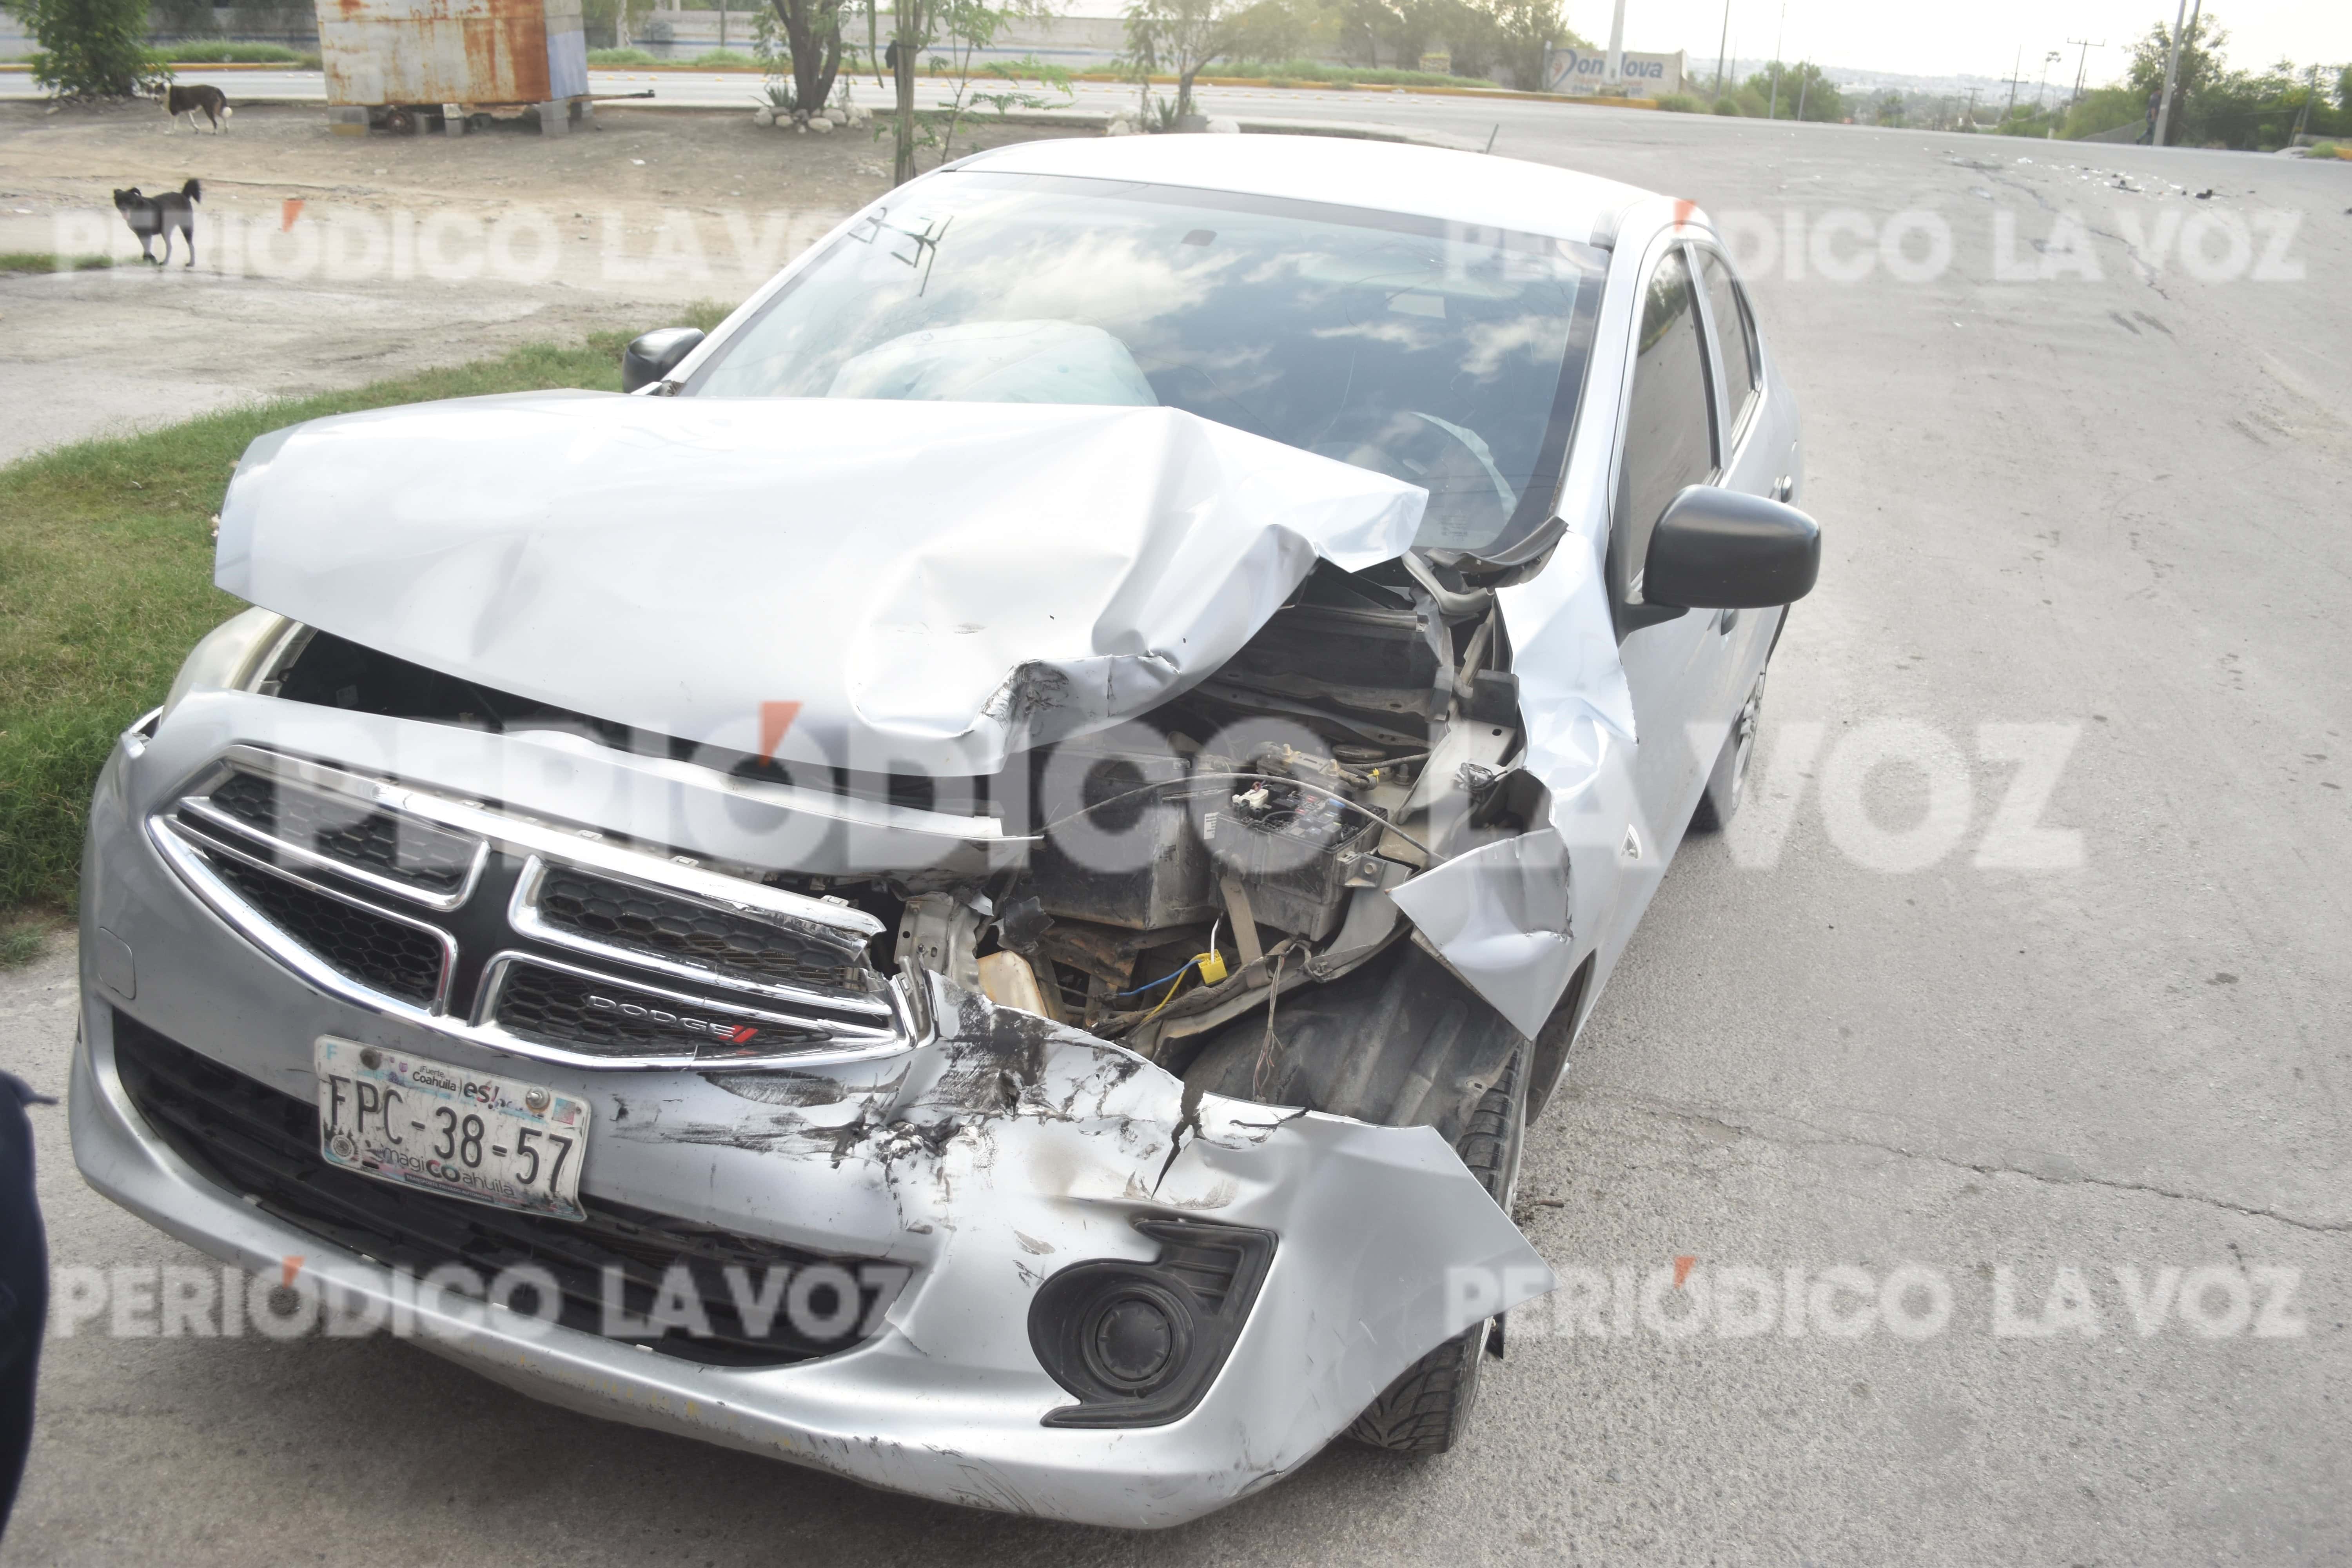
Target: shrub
x=622, y=58
x=1308, y=72
x=91, y=48
x=1726, y=104
x=1678, y=103
x=19, y=945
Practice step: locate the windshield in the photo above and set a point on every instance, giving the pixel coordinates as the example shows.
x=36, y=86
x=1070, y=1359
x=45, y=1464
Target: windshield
x=1443, y=355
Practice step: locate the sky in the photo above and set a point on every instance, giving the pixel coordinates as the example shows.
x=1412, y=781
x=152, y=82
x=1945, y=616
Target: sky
x=1981, y=37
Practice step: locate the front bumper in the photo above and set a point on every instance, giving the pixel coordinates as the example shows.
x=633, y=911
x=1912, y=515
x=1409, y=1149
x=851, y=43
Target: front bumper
x=985, y=1159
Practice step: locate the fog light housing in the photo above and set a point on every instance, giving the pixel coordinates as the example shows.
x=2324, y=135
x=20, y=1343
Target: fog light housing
x=1135, y=1334
x=1138, y=1342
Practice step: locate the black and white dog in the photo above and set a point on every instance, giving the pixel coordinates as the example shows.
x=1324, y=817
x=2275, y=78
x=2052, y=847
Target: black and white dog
x=151, y=215
x=209, y=101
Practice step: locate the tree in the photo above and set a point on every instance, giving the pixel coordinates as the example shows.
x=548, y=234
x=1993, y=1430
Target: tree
x=608, y=23
x=812, y=36
x=965, y=28
x=184, y=19
x=2104, y=109
x=1182, y=36
x=1281, y=29
x=2201, y=64
x=1526, y=28
x=90, y=49
x=1363, y=24
x=907, y=29
x=1804, y=90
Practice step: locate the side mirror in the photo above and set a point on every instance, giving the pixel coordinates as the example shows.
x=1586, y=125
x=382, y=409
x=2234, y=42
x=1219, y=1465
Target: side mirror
x=1722, y=550
x=654, y=355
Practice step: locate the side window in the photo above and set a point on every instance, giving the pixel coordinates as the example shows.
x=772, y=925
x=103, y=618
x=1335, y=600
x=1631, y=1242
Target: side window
x=1734, y=330
x=1670, y=423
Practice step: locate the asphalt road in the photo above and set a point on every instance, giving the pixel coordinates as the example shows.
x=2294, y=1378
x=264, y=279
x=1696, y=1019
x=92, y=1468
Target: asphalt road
x=2112, y=507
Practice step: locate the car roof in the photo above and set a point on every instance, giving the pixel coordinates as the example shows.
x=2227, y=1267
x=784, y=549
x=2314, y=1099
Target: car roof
x=1385, y=176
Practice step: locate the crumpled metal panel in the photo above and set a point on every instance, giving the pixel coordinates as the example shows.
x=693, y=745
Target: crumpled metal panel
x=680, y=564
x=1511, y=918
x=1000, y=1151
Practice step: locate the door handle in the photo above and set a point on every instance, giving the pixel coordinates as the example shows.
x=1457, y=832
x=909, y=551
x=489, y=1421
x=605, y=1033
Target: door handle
x=1784, y=486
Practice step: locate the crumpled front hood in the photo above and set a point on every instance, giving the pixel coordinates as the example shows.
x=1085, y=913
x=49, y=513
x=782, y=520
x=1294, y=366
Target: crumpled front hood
x=896, y=587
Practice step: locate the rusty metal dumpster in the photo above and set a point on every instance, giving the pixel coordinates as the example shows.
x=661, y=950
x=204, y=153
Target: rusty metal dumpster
x=409, y=65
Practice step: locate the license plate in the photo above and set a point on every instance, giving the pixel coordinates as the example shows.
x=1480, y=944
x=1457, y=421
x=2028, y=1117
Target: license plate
x=401, y=1117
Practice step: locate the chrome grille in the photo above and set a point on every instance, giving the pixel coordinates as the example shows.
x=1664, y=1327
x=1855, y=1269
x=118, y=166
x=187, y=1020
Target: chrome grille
x=595, y=1014
x=537, y=939
x=351, y=835
x=399, y=958
x=812, y=955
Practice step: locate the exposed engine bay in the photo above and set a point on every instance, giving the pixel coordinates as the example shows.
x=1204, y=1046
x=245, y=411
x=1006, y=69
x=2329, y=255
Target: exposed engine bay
x=1186, y=870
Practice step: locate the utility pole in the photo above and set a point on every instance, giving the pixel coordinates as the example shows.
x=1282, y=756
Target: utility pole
x=2013, y=82
x=1720, y=45
x=1773, y=112
x=1617, y=45
x=2304, y=120
x=2172, y=74
x=2042, y=89
x=2082, y=65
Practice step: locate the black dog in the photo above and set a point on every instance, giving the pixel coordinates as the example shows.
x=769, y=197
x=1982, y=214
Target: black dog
x=151, y=215
x=209, y=101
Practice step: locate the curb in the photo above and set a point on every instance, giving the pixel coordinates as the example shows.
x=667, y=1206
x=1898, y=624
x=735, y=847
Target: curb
x=198, y=65
x=1079, y=118
x=1285, y=84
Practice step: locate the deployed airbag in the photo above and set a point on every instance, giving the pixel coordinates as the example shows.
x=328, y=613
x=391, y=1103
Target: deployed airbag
x=999, y=361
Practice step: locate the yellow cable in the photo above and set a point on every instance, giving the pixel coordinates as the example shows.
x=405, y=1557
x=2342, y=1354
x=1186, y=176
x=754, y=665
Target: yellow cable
x=1181, y=976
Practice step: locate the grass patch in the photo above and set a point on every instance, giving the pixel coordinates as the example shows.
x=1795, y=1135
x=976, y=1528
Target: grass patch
x=19, y=945
x=221, y=52
x=1294, y=71
x=49, y=261
x=1282, y=73
x=106, y=562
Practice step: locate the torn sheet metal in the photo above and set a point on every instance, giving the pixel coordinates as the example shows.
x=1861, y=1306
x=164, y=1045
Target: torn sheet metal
x=1499, y=917
x=675, y=563
x=1506, y=917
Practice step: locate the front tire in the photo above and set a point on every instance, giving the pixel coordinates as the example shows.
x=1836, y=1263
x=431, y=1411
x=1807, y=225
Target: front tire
x=1427, y=1409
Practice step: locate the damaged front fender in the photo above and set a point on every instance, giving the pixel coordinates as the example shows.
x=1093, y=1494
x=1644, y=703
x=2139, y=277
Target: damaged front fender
x=1007, y=1149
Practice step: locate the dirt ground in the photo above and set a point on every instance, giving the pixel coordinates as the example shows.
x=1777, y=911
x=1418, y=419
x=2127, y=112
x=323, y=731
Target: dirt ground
x=325, y=260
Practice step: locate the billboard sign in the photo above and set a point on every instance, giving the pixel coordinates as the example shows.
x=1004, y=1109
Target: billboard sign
x=1586, y=70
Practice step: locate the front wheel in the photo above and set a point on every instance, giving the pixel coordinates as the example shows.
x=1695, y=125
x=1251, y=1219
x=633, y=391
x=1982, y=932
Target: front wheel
x=1427, y=1409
